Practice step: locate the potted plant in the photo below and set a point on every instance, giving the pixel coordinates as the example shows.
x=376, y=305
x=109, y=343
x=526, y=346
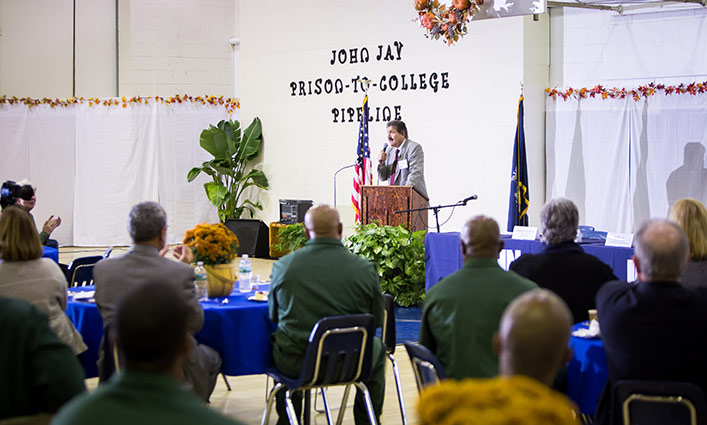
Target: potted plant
x=291, y=238
x=229, y=170
x=216, y=247
x=399, y=256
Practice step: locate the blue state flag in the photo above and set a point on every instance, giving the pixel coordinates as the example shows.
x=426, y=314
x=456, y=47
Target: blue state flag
x=520, y=195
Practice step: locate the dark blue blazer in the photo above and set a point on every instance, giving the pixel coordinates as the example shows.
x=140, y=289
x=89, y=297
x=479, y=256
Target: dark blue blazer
x=652, y=331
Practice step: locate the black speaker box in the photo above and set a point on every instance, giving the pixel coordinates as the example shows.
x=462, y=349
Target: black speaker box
x=252, y=235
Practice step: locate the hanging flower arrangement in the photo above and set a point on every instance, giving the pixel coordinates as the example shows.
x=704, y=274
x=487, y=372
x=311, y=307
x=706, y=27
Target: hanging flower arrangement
x=228, y=103
x=448, y=23
x=623, y=93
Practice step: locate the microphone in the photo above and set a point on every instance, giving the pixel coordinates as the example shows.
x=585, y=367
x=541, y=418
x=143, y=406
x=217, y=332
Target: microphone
x=385, y=147
x=470, y=198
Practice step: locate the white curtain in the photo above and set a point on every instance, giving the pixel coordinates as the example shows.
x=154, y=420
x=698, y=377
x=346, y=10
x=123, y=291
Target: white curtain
x=622, y=161
x=91, y=164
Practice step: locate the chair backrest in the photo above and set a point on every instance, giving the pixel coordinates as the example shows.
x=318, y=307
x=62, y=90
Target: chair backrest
x=78, y=262
x=427, y=368
x=82, y=276
x=388, y=334
x=340, y=350
x=660, y=402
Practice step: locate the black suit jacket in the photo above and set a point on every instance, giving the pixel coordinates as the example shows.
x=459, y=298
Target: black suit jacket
x=652, y=331
x=568, y=271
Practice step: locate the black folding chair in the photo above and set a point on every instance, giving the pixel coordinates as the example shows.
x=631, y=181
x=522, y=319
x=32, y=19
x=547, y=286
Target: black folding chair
x=660, y=402
x=388, y=336
x=339, y=353
x=427, y=369
x=80, y=272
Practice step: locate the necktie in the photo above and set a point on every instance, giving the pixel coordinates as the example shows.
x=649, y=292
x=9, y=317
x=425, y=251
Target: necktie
x=395, y=168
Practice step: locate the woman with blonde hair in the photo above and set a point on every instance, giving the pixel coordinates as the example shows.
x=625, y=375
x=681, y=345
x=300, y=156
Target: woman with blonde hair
x=25, y=275
x=691, y=216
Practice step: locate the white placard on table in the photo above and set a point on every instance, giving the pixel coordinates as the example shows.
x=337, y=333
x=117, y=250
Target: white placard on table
x=624, y=240
x=524, y=233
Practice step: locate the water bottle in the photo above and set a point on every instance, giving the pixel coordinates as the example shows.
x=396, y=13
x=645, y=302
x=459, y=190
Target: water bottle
x=200, y=281
x=244, y=273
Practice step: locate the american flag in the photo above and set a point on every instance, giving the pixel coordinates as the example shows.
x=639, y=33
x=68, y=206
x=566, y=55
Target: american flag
x=363, y=168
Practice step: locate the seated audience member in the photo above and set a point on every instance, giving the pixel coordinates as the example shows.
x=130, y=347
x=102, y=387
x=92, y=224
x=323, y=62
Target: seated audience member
x=323, y=279
x=113, y=277
x=533, y=337
x=461, y=313
x=532, y=343
x=654, y=329
x=30, y=192
x=153, y=341
x=691, y=216
x=505, y=400
x=24, y=274
x=563, y=267
x=39, y=373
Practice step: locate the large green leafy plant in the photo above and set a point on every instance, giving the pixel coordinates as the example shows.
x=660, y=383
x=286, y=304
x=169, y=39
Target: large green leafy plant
x=292, y=237
x=229, y=170
x=399, y=256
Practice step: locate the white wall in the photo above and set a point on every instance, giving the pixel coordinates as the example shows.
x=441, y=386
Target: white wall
x=170, y=47
x=95, y=48
x=664, y=45
x=466, y=131
x=166, y=47
x=36, y=48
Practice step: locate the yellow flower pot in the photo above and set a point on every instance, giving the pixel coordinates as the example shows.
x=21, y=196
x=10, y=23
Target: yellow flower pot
x=221, y=278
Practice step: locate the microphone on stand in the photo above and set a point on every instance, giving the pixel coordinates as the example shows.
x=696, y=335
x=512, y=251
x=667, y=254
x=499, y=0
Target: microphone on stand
x=470, y=198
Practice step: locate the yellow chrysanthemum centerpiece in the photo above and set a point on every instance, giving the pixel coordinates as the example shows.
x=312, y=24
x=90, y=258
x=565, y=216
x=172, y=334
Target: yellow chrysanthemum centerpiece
x=216, y=246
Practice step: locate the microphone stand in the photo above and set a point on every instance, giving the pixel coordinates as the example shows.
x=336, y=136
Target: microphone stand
x=337, y=172
x=436, y=209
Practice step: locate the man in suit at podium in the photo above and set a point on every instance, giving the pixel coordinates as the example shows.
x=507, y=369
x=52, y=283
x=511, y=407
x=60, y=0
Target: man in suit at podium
x=403, y=163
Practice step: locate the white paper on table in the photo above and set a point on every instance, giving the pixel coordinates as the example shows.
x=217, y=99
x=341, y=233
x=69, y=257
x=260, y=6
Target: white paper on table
x=525, y=233
x=83, y=295
x=624, y=240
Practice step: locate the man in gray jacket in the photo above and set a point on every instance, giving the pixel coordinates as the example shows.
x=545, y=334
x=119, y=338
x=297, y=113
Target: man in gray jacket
x=404, y=162
x=144, y=262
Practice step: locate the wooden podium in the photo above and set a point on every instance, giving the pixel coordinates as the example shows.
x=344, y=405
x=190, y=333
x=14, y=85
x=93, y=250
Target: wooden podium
x=379, y=202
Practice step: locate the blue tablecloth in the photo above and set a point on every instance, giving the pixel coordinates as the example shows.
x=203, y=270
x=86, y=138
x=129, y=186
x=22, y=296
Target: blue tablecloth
x=443, y=255
x=52, y=253
x=587, y=371
x=239, y=330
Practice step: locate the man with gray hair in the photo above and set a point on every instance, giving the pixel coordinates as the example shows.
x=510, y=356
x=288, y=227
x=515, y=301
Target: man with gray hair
x=653, y=330
x=562, y=266
x=147, y=225
x=461, y=313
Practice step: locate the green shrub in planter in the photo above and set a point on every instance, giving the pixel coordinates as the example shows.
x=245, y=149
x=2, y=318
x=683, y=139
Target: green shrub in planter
x=292, y=237
x=399, y=256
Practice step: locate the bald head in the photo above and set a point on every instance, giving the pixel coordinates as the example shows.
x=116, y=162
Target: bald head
x=533, y=335
x=323, y=221
x=662, y=251
x=480, y=237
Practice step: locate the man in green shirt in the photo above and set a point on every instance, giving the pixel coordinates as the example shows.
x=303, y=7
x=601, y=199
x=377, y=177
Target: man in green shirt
x=38, y=372
x=462, y=312
x=323, y=279
x=154, y=342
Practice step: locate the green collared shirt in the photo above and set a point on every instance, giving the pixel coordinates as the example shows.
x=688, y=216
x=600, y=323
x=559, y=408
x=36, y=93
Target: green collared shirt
x=321, y=279
x=137, y=398
x=462, y=312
